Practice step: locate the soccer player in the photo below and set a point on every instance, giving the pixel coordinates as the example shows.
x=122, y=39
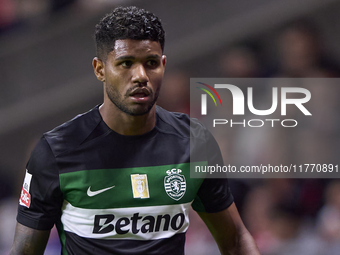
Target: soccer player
x=116, y=180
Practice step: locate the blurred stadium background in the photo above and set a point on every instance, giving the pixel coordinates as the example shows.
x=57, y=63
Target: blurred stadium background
x=46, y=78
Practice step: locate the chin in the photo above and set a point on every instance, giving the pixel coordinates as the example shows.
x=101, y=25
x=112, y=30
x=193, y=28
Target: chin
x=139, y=111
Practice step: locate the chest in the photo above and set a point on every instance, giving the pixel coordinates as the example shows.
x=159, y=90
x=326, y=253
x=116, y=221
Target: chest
x=129, y=187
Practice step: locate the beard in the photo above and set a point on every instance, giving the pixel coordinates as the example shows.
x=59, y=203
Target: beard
x=134, y=109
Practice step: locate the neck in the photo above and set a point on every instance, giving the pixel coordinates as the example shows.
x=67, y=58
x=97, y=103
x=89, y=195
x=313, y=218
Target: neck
x=126, y=124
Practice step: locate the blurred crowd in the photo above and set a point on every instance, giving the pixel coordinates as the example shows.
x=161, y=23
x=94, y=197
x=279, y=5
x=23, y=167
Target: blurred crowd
x=16, y=13
x=285, y=216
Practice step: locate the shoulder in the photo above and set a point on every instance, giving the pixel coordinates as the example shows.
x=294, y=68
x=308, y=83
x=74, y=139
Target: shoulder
x=73, y=132
x=179, y=123
x=203, y=145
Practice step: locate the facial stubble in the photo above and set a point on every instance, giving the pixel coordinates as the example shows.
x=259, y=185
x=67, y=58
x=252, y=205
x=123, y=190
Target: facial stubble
x=121, y=101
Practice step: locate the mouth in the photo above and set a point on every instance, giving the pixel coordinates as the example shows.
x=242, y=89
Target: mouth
x=140, y=94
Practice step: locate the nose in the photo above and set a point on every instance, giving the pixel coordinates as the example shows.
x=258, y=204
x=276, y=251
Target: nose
x=139, y=75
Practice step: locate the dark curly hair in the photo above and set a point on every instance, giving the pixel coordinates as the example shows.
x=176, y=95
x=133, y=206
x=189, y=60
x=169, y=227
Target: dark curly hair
x=127, y=23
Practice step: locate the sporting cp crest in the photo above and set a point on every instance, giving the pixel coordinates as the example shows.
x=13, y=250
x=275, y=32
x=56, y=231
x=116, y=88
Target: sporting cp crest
x=175, y=184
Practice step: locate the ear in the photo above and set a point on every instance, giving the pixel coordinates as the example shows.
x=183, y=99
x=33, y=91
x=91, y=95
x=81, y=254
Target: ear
x=98, y=68
x=164, y=60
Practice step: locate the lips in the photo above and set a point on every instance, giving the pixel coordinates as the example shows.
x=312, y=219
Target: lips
x=140, y=93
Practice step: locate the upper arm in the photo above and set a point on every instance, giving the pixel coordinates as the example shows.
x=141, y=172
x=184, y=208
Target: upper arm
x=41, y=197
x=29, y=241
x=229, y=232
x=40, y=202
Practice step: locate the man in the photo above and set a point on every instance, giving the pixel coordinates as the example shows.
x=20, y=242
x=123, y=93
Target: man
x=116, y=180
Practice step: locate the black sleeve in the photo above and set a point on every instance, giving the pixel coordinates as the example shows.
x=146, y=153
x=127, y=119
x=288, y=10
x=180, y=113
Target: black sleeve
x=214, y=195
x=41, y=198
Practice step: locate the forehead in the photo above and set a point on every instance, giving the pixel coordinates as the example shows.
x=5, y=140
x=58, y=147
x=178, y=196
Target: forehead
x=135, y=48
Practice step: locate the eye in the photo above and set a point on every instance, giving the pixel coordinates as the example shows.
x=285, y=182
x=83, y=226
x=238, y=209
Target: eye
x=152, y=63
x=127, y=63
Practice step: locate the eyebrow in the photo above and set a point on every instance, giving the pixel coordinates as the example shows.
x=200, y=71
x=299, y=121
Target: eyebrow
x=152, y=56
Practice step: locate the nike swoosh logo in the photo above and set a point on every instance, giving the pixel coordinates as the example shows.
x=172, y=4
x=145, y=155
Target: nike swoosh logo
x=94, y=193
